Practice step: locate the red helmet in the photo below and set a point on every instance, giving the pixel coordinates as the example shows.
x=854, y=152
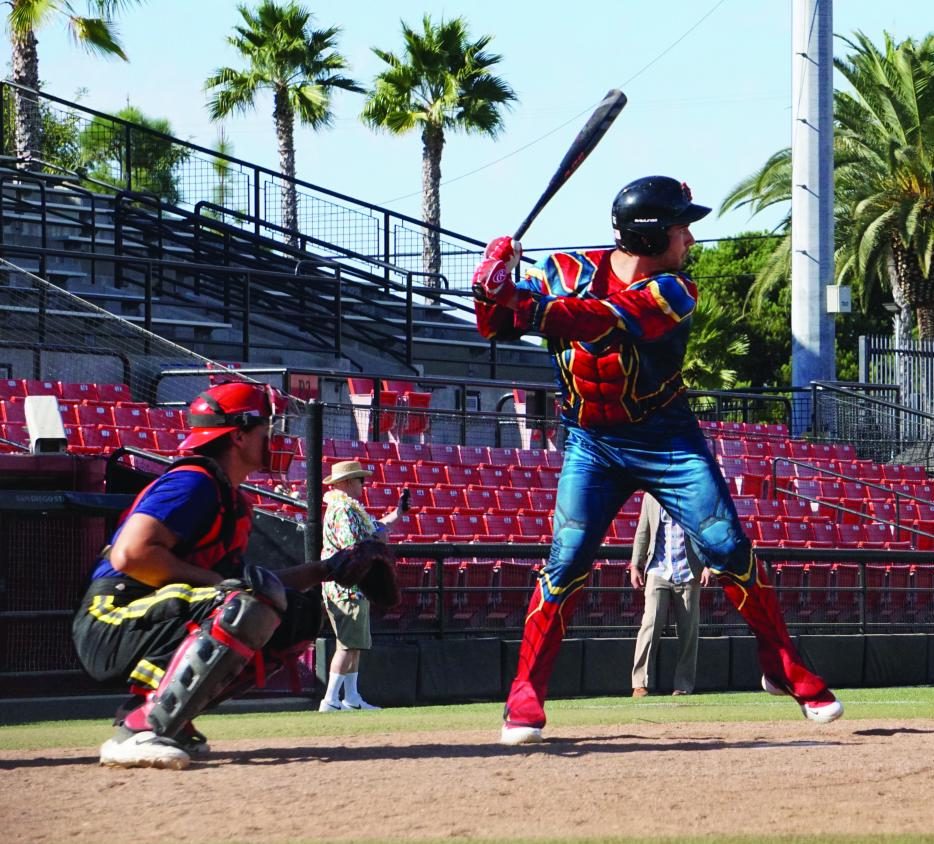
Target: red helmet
x=235, y=405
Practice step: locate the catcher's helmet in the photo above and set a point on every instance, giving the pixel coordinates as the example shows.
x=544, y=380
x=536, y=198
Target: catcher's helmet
x=645, y=209
x=234, y=406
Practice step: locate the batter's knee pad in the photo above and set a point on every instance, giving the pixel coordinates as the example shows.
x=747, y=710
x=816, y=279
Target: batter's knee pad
x=210, y=658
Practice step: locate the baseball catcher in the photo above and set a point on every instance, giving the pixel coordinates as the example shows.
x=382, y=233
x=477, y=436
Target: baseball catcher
x=173, y=609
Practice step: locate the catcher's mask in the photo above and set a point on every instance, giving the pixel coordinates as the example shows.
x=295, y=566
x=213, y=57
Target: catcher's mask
x=645, y=209
x=241, y=405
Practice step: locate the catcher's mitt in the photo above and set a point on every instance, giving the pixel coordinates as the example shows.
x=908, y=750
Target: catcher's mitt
x=370, y=566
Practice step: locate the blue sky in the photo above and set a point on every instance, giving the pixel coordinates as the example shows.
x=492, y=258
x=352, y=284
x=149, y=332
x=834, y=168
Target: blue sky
x=708, y=83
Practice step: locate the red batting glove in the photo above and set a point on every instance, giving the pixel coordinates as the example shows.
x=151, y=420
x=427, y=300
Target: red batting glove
x=492, y=283
x=504, y=249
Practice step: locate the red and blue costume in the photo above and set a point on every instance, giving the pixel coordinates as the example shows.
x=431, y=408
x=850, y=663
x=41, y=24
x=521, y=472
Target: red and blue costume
x=618, y=349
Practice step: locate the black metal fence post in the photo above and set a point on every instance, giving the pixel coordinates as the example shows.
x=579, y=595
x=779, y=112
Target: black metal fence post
x=314, y=436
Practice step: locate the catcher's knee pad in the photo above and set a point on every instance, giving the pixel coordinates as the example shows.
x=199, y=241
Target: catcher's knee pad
x=210, y=659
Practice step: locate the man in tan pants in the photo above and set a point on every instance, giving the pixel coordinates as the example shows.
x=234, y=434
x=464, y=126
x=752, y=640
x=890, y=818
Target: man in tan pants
x=666, y=566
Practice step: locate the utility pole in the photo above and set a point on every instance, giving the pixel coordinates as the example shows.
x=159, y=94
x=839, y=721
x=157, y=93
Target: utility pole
x=812, y=222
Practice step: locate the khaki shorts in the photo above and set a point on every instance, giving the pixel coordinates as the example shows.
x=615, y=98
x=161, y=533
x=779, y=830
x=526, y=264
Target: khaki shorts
x=351, y=622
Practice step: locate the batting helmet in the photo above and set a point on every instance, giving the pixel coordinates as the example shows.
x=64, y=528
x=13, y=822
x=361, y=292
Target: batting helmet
x=645, y=209
x=234, y=406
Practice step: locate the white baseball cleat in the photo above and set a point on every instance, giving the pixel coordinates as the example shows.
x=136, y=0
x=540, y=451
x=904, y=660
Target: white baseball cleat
x=822, y=710
x=143, y=750
x=771, y=688
x=327, y=706
x=513, y=734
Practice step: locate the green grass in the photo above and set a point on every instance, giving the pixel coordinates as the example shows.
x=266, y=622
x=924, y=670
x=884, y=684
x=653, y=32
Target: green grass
x=890, y=703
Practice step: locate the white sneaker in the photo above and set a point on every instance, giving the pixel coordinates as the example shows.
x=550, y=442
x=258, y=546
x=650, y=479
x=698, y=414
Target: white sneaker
x=358, y=706
x=143, y=750
x=327, y=706
x=513, y=734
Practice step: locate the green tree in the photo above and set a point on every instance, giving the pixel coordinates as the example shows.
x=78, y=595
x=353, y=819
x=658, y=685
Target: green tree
x=153, y=159
x=884, y=191
x=714, y=349
x=885, y=133
x=724, y=272
x=58, y=133
x=301, y=67
x=442, y=82
x=93, y=32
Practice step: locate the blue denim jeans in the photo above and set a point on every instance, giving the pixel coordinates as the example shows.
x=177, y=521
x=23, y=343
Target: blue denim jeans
x=601, y=471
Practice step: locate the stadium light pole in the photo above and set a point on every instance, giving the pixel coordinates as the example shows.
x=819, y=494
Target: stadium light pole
x=812, y=222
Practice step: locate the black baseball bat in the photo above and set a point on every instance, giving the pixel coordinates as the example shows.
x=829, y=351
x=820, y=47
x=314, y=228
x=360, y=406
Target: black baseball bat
x=585, y=142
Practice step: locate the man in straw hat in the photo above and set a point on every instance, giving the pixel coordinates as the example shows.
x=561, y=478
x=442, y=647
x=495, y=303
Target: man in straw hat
x=346, y=523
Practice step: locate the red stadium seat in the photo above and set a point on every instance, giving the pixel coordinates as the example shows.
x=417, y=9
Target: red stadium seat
x=399, y=472
x=800, y=449
x=534, y=525
x=463, y=476
x=413, y=452
x=40, y=388
x=78, y=392
x=382, y=450
x=166, y=418
x=531, y=458
x=427, y=472
x=542, y=499
x=513, y=500
x=467, y=524
x=448, y=496
x=502, y=456
x=114, y=393
x=446, y=453
x=523, y=478
x=99, y=438
x=548, y=477
x=768, y=533
x=474, y=455
x=494, y=476
x=10, y=387
x=95, y=414
x=513, y=582
x=380, y=497
x=433, y=525
x=481, y=497
x=144, y=438
x=350, y=450
x=167, y=442
x=128, y=416
x=13, y=411
x=477, y=577
x=502, y=523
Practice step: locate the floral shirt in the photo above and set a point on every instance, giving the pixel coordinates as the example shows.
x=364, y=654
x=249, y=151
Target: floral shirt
x=346, y=522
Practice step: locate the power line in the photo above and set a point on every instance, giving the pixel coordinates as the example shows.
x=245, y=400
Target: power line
x=576, y=117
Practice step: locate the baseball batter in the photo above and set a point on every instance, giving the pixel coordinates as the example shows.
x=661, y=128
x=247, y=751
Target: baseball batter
x=617, y=324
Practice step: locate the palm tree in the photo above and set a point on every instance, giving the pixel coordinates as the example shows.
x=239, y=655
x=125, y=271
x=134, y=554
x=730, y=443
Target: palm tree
x=94, y=33
x=886, y=132
x=301, y=67
x=884, y=180
x=441, y=82
x=713, y=349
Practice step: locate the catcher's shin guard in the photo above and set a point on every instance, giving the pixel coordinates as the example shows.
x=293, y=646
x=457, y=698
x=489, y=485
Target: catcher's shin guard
x=779, y=659
x=545, y=626
x=207, y=662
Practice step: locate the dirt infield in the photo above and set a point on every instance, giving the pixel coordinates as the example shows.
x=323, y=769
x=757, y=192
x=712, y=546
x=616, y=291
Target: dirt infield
x=860, y=777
